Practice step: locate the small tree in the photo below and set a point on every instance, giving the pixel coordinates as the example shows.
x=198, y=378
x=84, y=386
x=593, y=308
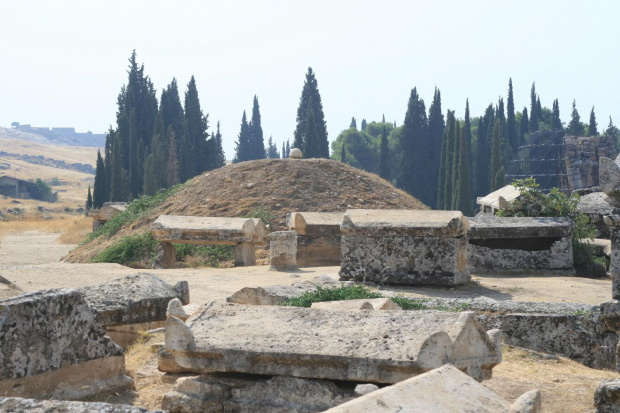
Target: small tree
x=575, y=127
x=592, y=129
x=89, y=202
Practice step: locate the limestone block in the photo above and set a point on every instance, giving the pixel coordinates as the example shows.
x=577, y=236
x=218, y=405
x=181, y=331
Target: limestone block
x=529, y=402
x=366, y=346
x=275, y=294
x=607, y=396
x=245, y=254
x=499, y=199
x=494, y=227
x=609, y=179
x=614, y=259
x=108, y=211
x=220, y=392
x=316, y=223
x=405, y=260
x=51, y=345
x=445, y=389
x=175, y=309
x=203, y=230
x=126, y=334
x=137, y=298
x=413, y=223
x=260, y=231
x=384, y=304
x=166, y=255
x=319, y=250
x=16, y=404
x=283, y=250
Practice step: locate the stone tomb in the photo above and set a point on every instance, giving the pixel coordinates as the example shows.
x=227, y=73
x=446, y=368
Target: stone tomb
x=405, y=247
x=318, y=240
x=359, y=346
x=51, y=346
x=445, y=389
x=518, y=244
x=500, y=199
x=131, y=304
x=108, y=211
x=244, y=233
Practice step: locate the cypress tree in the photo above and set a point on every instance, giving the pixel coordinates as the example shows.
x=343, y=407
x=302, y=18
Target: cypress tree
x=172, y=165
x=109, y=142
x=364, y=125
x=242, y=148
x=499, y=181
x=525, y=124
x=511, y=123
x=272, y=151
x=575, y=127
x=283, y=150
x=257, y=144
x=467, y=132
x=436, y=126
x=384, y=155
x=496, y=160
x=450, y=156
x=89, y=202
x=464, y=200
x=556, y=123
x=592, y=127
x=310, y=102
x=539, y=107
x=150, y=173
x=288, y=148
x=353, y=123
x=196, y=125
x=118, y=186
x=455, y=165
x=482, y=155
x=135, y=155
x=343, y=154
x=218, y=150
x=311, y=134
x=100, y=190
x=533, y=127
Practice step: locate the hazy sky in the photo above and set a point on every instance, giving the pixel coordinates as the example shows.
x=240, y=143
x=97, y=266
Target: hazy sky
x=63, y=62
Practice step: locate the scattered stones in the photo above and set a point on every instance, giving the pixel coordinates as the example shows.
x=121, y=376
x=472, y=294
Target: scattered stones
x=15, y=404
x=405, y=247
x=283, y=251
x=607, y=396
x=445, y=389
x=372, y=346
x=520, y=244
x=318, y=239
x=51, y=346
x=384, y=304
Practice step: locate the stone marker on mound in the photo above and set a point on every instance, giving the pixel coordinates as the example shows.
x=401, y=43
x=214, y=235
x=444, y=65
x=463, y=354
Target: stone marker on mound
x=367, y=346
x=15, y=404
x=133, y=303
x=295, y=154
x=51, y=346
x=405, y=247
x=445, y=389
x=318, y=239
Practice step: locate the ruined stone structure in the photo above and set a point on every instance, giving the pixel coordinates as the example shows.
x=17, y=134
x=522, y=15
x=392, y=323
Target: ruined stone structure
x=51, y=346
x=131, y=304
x=372, y=346
x=108, y=211
x=520, y=244
x=596, y=205
x=405, y=247
x=607, y=396
x=244, y=233
x=283, y=251
x=582, y=158
x=318, y=240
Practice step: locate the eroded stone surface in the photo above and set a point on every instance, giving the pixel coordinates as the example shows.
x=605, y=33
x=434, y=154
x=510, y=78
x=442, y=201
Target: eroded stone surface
x=445, y=389
x=318, y=241
x=47, y=339
x=237, y=393
x=316, y=223
x=108, y=211
x=499, y=199
x=609, y=179
x=175, y=309
x=204, y=230
x=138, y=298
x=372, y=346
x=383, y=304
x=596, y=205
x=15, y=405
x=607, y=396
x=283, y=250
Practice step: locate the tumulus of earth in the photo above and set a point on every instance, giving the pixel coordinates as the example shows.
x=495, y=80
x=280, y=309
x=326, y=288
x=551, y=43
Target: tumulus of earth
x=277, y=186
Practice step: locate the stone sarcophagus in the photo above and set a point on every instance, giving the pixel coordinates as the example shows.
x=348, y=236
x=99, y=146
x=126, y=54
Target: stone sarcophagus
x=318, y=237
x=405, y=247
x=51, y=346
x=518, y=244
x=363, y=346
x=108, y=211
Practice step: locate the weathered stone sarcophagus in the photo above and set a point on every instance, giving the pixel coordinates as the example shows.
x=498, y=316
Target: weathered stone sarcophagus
x=405, y=247
x=518, y=244
x=318, y=237
x=108, y=211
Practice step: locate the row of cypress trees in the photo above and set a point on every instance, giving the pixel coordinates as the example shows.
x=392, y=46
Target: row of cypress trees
x=154, y=144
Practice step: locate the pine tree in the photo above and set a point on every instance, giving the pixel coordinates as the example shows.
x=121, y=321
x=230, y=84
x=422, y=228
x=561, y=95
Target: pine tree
x=364, y=125
x=524, y=128
x=257, y=144
x=575, y=127
x=172, y=165
x=436, y=126
x=89, y=202
x=353, y=123
x=272, y=150
x=592, y=127
x=196, y=125
x=511, y=123
x=533, y=127
x=384, y=155
x=100, y=189
x=343, y=154
x=219, y=159
x=496, y=159
x=556, y=123
x=464, y=200
x=242, y=146
x=310, y=102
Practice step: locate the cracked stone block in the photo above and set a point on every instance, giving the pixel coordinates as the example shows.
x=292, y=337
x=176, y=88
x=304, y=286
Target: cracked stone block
x=363, y=346
x=52, y=346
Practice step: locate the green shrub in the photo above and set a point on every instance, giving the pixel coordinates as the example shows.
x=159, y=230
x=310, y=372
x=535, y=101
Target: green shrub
x=209, y=255
x=260, y=212
x=130, y=250
x=331, y=294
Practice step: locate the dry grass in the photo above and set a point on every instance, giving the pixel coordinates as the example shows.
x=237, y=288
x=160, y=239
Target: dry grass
x=565, y=385
x=73, y=228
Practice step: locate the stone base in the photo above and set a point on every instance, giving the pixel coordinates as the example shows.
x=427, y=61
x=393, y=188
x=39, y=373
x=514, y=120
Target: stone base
x=245, y=255
x=126, y=334
x=405, y=260
x=75, y=381
x=167, y=257
x=318, y=251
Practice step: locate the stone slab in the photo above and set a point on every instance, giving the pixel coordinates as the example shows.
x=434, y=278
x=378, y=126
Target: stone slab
x=378, y=304
x=489, y=226
x=204, y=230
x=108, y=211
x=48, y=340
x=416, y=223
x=316, y=223
x=445, y=389
x=137, y=298
x=372, y=346
x=16, y=404
x=499, y=199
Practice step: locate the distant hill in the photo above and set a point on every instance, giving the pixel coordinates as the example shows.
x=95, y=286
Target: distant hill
x=57, y=136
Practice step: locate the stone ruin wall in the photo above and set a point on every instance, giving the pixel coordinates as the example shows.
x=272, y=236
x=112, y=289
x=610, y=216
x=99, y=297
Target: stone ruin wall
x=582, y=157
